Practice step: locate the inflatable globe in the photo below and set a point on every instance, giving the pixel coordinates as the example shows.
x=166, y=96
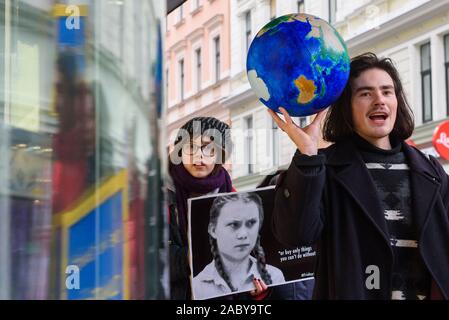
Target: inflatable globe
x=299, y=62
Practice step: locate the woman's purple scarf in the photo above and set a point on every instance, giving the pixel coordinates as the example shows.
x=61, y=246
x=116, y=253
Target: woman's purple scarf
x=186, y=184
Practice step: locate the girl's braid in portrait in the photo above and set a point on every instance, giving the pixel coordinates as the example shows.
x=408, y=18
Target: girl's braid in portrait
x=219, y=264
x=261, y=263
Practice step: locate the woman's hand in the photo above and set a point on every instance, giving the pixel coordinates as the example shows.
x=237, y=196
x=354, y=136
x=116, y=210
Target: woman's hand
x=307, y=138
x=260, y=291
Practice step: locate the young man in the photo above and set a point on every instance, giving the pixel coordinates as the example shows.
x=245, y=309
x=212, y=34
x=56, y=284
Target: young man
x=377, y=208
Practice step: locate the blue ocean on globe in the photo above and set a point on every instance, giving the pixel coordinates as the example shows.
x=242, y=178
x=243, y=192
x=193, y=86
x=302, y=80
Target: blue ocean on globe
x=299, y=62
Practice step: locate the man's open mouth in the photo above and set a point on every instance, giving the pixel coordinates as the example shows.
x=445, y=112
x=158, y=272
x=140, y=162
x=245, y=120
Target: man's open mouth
x=378, y=116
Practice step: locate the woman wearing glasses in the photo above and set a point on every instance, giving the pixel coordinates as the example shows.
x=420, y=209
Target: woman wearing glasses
x=196, y=167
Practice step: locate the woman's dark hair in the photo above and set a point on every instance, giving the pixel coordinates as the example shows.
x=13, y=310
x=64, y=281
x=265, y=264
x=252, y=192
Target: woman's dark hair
x=338, y=124
x=258, y=251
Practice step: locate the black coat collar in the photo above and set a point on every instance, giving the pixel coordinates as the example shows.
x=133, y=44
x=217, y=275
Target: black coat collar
x=346, y=153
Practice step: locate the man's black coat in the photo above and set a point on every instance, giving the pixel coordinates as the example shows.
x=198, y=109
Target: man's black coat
x=331, y=200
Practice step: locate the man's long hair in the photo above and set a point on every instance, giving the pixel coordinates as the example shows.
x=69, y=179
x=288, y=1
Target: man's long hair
x=338, y=124
x=258, y=251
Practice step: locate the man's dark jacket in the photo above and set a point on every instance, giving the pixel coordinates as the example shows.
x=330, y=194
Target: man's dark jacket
x=330, y=199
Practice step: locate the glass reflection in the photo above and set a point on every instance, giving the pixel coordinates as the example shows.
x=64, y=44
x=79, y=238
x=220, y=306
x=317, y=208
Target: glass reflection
x=82, y=214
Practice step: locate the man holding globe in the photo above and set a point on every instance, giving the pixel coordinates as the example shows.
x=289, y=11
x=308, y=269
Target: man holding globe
x=377, y=208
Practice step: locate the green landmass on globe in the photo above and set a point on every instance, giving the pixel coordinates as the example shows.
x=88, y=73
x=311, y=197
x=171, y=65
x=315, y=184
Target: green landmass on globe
x=299, y=62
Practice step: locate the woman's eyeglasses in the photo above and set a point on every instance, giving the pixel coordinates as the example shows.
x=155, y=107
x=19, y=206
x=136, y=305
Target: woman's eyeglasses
x=208, y=150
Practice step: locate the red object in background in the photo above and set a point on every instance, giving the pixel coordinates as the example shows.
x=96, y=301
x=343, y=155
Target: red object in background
x=73, y=144
x=410, y=142
x=440, y=139
x=136, y=238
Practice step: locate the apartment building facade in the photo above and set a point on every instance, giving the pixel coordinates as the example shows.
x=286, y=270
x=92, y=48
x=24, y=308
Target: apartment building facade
x=415, y=35
x=197, y=62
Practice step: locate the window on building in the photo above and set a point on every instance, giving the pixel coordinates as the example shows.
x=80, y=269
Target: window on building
x=446, y=67
x=275, y=142
x=247, y=30
x=198, y=68
x=196, y=4
x=121, y=32
x=217, y=58
x=300, y=6
x=249, y=144
x=166, y=87
x=181, y=79
x=180, y=13
x=272, y=9
x=332, y=10
x=426, y=83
